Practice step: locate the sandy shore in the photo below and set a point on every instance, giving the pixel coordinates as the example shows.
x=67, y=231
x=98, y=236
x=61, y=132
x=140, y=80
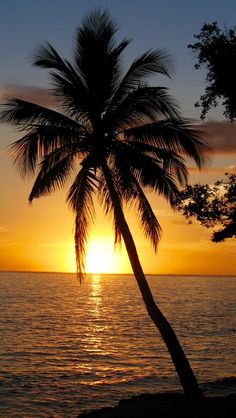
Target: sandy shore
x=168, y=405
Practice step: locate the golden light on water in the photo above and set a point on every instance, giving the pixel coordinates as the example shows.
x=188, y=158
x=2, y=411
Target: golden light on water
x=96, y=294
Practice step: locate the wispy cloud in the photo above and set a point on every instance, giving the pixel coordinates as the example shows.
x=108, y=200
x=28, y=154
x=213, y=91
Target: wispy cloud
x=179, y=222
x=8, y=243
x=5, y=241
x=3, y=229
x=222, y=136
x=37, y=95
x=58, y=244
x=213, y=170
x=231, y=167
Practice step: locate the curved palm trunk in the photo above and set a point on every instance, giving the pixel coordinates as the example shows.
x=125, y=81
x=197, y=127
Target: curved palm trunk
x=181, y=363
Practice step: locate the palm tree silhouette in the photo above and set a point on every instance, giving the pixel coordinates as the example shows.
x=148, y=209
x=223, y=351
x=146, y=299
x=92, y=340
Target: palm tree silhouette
x=120, y=135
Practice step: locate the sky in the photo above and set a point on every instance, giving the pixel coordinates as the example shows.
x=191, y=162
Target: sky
x=40, y=237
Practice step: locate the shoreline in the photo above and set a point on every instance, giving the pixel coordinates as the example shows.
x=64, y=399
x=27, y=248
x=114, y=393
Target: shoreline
x=168, y=405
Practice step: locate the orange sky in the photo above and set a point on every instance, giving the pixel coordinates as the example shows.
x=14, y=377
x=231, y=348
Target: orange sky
x=40, y=237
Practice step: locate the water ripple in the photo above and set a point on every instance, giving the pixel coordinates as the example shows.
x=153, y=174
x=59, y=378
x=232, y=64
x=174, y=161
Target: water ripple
x=67, y=348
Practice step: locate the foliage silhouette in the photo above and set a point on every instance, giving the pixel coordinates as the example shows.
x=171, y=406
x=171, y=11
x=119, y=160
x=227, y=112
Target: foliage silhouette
x=216, y=50
x=212, y=206
x=120, y=135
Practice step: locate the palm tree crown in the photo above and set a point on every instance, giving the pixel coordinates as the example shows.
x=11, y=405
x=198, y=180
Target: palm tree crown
x=113, y=131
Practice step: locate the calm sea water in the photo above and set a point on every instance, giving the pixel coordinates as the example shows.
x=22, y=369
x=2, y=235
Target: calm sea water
x=67, y=348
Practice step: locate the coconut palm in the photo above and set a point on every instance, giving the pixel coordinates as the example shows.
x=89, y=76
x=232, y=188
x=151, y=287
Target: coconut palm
x=117, y=136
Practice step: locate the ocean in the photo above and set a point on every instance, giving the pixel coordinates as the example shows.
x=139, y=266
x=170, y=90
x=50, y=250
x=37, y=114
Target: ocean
x=67, y=348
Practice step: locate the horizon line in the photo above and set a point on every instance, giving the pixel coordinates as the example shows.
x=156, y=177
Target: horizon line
x=119, y=274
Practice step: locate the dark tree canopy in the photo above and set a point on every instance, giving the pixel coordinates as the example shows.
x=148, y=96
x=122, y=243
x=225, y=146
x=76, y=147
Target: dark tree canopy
x=213, y=206
x=216, y=50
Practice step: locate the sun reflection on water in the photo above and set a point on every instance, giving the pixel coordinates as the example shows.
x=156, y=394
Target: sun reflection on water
x=96, y=316
x=95, y=295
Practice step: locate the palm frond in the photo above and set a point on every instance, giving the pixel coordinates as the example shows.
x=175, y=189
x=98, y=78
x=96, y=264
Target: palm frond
x=80, y=199
x=149, y=222
x=108, y=194
x=148, y=171
x=45, y=56
x=26, y=154
x=170, y=160
x=97, y=58
x=69, y=88
x=131, y=191
x=175, y=134
x=25, y=114
x=156, y=178
x=75, y=99
x=141, y=105
x=149, y=63
x=104, y=196
x=54, y=171
x=42, y=140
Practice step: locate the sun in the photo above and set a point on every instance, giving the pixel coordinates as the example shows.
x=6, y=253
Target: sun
x=102, y=258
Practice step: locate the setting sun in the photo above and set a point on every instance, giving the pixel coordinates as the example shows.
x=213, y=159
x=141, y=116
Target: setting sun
x=102, y=258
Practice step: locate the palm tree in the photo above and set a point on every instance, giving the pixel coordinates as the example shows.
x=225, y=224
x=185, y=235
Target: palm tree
x=118, y=136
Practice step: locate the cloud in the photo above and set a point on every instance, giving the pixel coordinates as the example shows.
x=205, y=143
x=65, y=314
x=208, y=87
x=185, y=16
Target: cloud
x=56, y=244
x=7, y=243
x=222, y=136
x=4, y=235
x=230, y=168
x=37, y=95
x=213, y=170
x=179, y=222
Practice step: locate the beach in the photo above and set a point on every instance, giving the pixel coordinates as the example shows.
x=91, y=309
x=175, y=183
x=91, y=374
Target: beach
x=168, y=405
